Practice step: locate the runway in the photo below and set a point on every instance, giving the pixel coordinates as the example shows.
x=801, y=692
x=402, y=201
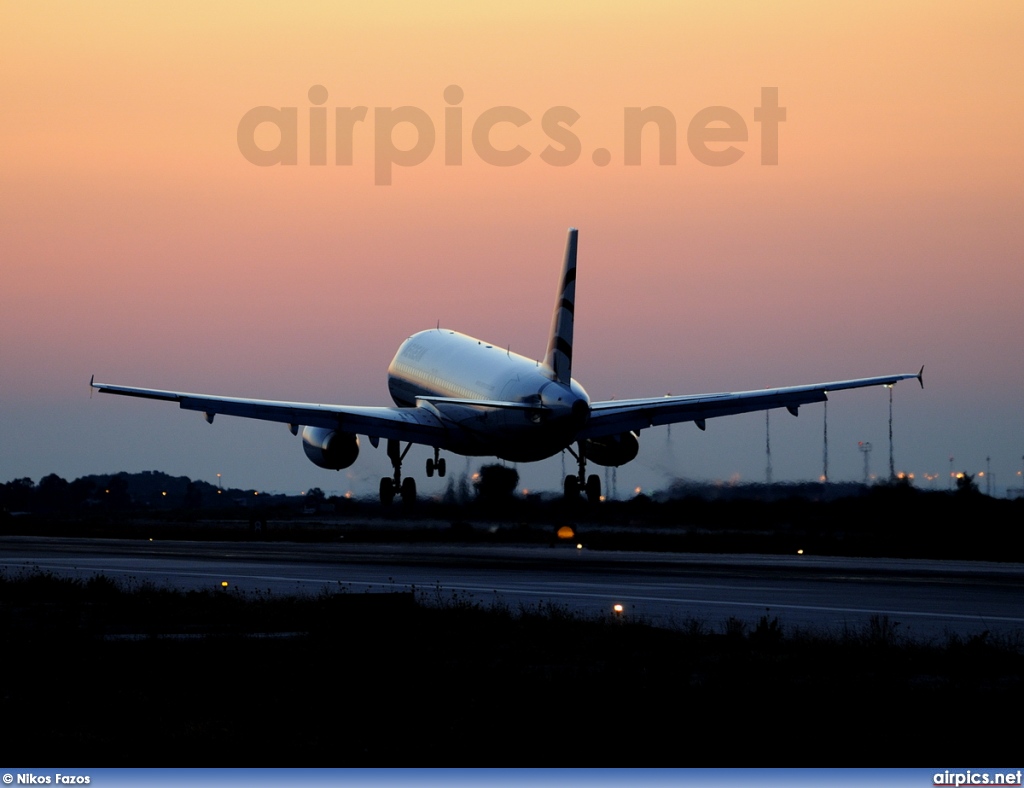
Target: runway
x=927, y=599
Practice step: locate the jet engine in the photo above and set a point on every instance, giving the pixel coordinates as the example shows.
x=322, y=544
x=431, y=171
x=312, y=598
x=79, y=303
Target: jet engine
x=329, y=448
x=612, y=450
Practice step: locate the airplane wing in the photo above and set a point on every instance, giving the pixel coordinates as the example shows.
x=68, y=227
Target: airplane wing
x=613, y=417
x=418, y=425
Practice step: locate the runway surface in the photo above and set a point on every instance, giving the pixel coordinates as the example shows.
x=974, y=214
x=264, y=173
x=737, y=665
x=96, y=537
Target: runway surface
x=928, y=599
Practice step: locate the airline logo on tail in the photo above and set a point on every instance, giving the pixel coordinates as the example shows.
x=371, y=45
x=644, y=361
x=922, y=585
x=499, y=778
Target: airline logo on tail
x=559, y=355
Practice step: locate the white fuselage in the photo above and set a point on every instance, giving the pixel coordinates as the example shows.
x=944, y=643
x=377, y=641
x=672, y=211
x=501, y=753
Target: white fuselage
x=445, y=363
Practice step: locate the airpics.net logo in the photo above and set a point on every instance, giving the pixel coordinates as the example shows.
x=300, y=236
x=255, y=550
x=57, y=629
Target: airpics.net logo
x=710, y=134
x=954, y=779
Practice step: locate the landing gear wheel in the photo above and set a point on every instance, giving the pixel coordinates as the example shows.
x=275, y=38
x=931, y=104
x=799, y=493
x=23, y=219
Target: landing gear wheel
x=387, y=491
x=435, y=464
x=571, y=488
x=408, y=491
x=593, y=489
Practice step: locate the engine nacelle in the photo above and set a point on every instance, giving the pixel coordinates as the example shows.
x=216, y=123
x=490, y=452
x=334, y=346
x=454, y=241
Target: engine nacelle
x=329, y=448
x=614, y=450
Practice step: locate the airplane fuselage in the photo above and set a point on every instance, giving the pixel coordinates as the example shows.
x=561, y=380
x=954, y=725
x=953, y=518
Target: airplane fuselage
x=441, y=363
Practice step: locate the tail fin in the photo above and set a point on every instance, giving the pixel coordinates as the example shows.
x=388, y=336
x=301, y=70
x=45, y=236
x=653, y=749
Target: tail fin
x=559, y=356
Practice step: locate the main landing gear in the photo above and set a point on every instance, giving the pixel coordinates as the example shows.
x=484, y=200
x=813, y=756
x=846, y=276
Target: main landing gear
x=581, y=483
x=390, y=486
x=436, y=464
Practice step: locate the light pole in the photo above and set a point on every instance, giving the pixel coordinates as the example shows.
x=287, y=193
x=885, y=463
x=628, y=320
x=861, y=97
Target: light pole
x=892, y=464
x=865, y=449
x=824, y=450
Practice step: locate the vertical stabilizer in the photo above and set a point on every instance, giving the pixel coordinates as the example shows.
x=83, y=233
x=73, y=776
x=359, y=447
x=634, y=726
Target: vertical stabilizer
x=559, y=355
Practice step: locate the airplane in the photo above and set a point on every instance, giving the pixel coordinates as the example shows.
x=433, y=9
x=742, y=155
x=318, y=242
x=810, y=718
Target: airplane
x=462, y=395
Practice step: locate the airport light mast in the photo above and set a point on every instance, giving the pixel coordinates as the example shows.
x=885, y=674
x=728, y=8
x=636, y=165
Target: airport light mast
x=824, y=450
x=892, y=464
x=865, y=449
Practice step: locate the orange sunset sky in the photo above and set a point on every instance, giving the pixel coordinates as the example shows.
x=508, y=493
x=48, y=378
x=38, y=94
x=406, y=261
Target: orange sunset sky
x=138, y=243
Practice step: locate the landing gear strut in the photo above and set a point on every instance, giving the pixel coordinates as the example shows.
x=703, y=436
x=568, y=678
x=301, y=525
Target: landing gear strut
x=574, y=485
x=436, y=464
x=396, y=485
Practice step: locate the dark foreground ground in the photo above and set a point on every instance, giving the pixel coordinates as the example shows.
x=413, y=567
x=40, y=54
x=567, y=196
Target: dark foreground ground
x=94, y=673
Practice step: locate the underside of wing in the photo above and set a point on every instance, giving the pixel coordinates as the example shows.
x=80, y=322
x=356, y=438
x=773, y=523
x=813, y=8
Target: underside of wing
x=418, y=425
x=480, y=403
x=613, y=417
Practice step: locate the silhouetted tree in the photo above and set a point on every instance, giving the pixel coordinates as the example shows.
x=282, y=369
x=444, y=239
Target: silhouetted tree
x=965, y=484
x=193, y=496
x=496, y=483
x=52, y=493
x=80, y=491
x=115, y=494
x=17, y=494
